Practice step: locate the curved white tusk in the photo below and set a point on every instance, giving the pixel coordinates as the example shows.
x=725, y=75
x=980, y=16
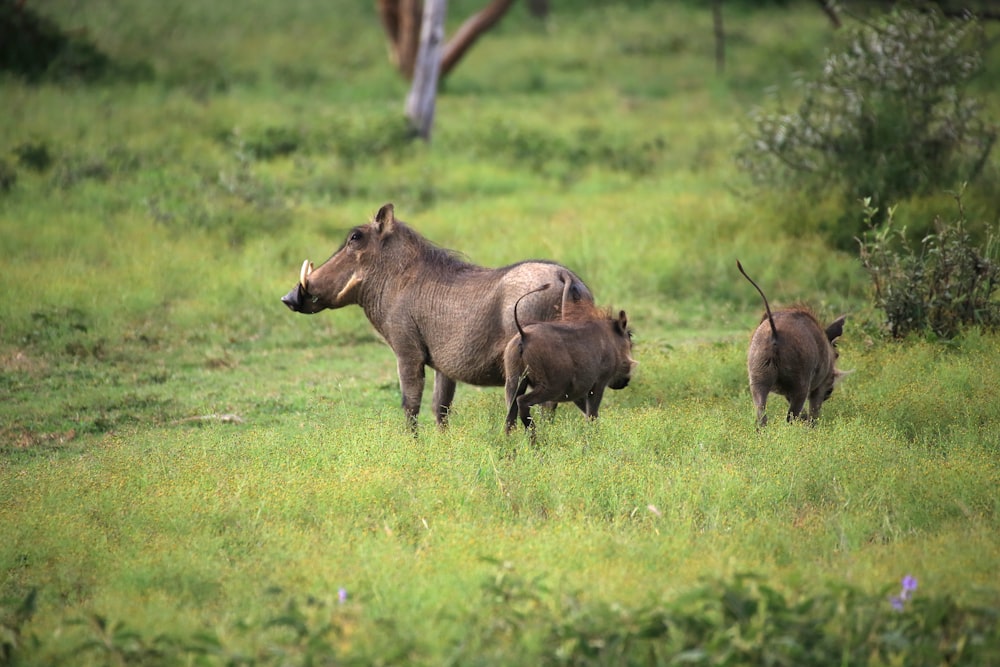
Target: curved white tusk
x=304, y=273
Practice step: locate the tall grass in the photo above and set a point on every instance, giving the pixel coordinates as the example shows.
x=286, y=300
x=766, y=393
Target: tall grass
x=190, y=473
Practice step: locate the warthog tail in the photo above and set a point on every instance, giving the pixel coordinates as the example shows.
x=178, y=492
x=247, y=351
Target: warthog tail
x=767, y=307
x=516, y=322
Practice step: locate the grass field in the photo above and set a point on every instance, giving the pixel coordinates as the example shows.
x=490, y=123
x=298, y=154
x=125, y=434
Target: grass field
x=190, y=473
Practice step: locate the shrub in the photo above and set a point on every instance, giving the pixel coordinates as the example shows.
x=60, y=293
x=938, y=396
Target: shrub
x=885, y=119
x=948, y=284
x=8, y=177
x=37, y=49
x=743, y=620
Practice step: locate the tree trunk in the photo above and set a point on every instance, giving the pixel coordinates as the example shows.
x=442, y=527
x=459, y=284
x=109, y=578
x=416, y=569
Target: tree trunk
x=720, y=37
x=401, y=22
x=423, y=91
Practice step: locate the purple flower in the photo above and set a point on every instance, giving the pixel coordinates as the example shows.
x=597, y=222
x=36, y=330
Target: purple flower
x=342, y=595
x=909, y=585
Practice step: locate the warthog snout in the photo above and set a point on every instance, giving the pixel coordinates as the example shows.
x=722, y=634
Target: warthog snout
x=621, y=383
x=294, y=298
x=299, y=295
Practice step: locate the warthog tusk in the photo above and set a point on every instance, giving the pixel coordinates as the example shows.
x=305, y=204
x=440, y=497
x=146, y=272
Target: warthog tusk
x=307, y=268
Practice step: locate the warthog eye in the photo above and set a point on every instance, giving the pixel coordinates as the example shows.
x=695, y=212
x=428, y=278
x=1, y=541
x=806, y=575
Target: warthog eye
x=356, y=235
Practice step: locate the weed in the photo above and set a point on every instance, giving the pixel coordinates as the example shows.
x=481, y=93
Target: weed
x=117, y=644
x=946, y=286
x=13, y=640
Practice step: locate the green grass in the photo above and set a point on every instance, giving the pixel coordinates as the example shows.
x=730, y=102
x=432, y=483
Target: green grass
x=141, y=277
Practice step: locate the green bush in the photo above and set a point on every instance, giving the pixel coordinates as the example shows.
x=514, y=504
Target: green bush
x=36, y=49
x=945, y=286
x=737, y=621
x=885, y=118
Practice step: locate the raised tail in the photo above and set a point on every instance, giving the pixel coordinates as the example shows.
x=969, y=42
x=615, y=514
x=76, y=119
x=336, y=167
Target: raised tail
x=520, y=330
x=567, y=281
x=767, y=307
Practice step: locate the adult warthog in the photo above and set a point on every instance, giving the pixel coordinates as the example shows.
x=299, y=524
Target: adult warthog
x=430, y=306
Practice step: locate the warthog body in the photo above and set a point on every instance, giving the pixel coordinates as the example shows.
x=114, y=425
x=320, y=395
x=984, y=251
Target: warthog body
x=432, y=308
x=573, y=359
x=791, y=354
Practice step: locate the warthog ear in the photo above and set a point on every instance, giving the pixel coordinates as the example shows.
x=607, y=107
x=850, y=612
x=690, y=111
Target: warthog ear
x=384, y=219
x=623, y=322
x=836, y=329
x=839, y=375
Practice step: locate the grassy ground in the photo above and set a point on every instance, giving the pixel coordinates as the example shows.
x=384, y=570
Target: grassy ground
x=181, y=454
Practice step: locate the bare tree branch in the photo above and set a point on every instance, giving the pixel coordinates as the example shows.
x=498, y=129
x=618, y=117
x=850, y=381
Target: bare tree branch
x=470, y=31
x=830, y=10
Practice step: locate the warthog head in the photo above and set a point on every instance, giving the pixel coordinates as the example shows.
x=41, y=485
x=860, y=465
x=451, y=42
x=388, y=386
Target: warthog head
x=337, y=282
x=792, y=355
x=573, y=359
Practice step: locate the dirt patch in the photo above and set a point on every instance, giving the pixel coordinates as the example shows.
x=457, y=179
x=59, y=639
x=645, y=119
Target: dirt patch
x=24, y=439
x=20, y=362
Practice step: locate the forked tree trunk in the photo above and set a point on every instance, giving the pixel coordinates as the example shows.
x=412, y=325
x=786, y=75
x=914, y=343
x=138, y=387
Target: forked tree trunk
x=401, y=20
x=423, y=91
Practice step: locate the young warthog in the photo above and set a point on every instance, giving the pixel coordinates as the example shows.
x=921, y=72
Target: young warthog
x=791, y=354
x=574, y=359
x=432, y=308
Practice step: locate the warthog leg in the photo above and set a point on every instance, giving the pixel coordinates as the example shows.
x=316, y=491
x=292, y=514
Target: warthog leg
x=514, y=392
x=795, y=404
x=444, y=394
x=594, y=401
x=411, y=385
x=759, y=393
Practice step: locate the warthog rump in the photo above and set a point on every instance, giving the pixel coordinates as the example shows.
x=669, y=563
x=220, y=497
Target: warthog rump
x=432, y=308
x=573, y=359
x=792, y=355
